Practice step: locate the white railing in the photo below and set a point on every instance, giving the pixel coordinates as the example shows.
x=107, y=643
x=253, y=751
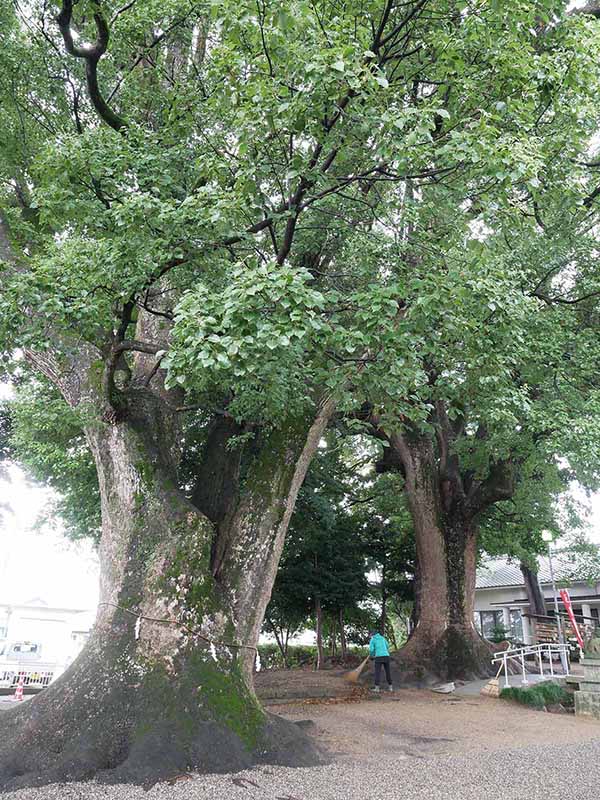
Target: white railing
x=539, y=652
x=37, y=676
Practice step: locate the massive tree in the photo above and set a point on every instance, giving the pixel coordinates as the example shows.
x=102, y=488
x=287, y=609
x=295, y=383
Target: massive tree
x=200, y=216
x=507, y=377
x=510, y=305
x=507, y=409
x=115, y=202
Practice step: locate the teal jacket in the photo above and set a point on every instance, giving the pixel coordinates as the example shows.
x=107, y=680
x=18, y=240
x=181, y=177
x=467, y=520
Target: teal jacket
x=378, y=646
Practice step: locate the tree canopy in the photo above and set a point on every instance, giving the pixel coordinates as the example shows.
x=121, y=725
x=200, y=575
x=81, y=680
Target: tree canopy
x=224, y=226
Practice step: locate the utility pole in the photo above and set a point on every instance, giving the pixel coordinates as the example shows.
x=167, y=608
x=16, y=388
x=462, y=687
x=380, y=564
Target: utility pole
x=548, y=537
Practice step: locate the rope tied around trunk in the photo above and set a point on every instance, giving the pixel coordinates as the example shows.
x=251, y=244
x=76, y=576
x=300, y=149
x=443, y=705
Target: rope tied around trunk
x=192, y=631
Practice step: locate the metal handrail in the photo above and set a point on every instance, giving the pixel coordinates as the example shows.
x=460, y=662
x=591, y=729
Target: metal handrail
x=539, y=650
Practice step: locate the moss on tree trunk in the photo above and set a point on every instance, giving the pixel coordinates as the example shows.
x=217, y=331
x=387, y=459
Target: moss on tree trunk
x=163, y=685
x=444, y=642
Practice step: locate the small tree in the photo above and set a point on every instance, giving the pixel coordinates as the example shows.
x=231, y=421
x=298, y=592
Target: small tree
x=323, y=567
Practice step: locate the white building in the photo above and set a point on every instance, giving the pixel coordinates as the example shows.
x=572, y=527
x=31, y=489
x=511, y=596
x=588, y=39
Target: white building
x=60, y=633
x=501, y=599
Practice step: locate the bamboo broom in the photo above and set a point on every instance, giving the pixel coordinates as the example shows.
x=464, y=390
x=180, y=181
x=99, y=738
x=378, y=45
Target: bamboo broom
x=354, y=675
x=492, y=687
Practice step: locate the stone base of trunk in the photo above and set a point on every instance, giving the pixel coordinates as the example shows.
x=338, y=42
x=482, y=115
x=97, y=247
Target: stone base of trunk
x=587, y=704
x=587, y=699
x=86, y=726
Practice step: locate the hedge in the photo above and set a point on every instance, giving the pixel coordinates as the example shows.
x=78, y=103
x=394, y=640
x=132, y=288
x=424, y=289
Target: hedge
x=302, y=656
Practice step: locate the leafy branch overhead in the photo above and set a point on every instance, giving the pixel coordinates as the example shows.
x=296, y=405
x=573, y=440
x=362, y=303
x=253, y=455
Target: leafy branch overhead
x=300, y=126
x=297, y=197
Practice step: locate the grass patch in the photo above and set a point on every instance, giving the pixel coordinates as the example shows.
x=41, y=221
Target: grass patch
x=539, y=696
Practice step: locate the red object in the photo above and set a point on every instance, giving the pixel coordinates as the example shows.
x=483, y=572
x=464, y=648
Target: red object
x=564, y=595
x=19, y=689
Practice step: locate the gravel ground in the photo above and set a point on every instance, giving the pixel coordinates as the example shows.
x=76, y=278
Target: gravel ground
x=413, y=744
x=568, y=773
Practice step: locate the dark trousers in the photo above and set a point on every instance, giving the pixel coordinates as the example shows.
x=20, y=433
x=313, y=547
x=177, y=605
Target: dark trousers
x=382, y=661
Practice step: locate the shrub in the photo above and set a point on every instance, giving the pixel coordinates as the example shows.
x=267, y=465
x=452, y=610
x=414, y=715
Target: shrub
x=499, y=634
x=539, y=696
x=301, y=656
x=298, y=656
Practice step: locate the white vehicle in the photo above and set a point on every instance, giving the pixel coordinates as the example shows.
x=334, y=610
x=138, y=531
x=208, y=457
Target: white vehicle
x=26, y=659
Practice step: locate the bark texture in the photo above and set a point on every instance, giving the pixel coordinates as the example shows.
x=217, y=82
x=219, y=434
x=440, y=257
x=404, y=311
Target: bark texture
x=535, y=595
x=444, y=503
x=164, y=684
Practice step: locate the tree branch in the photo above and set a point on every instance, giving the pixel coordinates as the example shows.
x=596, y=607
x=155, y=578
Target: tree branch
x=564, y=300
x=591, y=197
x=137, y=346
x=499, y=485
x=121, y=10
x=66, y=363
x=91, y=54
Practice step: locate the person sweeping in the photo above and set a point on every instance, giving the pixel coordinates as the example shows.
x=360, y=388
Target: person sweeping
x=379, y=653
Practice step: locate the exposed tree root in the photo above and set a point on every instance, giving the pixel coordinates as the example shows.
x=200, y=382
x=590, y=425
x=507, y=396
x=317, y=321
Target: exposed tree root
x=456, y=654
x=89, y=725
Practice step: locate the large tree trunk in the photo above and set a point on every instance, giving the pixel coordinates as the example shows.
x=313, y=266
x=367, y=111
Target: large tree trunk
x=445, y=641
x=252, y=538
x=535, y=595
x=416, y=609
x=164, y=683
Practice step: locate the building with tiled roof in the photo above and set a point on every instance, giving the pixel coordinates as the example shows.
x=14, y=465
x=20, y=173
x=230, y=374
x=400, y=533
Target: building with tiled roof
x=501, y=600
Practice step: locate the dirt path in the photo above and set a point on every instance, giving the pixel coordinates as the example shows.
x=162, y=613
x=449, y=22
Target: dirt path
x=351, y=723
x=415, y=723
x=297, y=684
x=412, y=744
